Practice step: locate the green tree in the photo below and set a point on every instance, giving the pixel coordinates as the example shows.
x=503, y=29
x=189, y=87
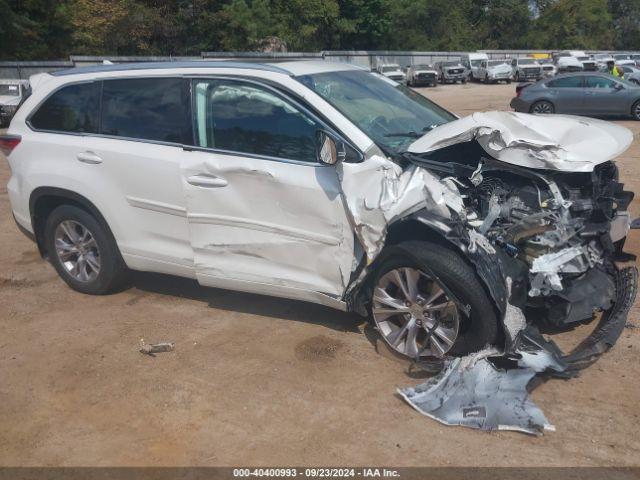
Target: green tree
x=565, y=24
x=626, y=23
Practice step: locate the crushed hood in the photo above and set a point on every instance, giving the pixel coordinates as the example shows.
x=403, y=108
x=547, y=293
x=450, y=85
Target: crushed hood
x=555, y=142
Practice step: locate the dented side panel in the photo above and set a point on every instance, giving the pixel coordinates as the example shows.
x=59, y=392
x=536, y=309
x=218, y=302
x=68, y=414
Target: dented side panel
x=267, y=222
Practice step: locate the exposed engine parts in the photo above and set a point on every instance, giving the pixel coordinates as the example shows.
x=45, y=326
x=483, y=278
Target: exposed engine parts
x=563, y=230
x=559, y=226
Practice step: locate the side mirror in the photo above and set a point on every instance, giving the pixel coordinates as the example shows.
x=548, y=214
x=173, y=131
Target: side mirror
x=329, y=151
x=618, y=86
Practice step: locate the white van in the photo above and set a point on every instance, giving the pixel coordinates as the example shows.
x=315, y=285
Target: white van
x=472, y=62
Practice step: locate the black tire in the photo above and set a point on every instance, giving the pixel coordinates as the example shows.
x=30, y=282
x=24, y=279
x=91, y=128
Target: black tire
x=477, y=331
x=635, y=110
x=540, y=105
x=112, y=273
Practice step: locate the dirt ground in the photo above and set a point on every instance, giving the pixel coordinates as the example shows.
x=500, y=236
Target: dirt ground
x=262, y=381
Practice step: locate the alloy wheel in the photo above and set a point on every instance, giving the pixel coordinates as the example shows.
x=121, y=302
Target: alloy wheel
x=542, y=107
x=413, y=313
x=77, y=250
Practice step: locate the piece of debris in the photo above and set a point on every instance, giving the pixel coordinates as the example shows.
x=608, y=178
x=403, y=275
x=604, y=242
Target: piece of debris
x=488, y=390
x=152, y=348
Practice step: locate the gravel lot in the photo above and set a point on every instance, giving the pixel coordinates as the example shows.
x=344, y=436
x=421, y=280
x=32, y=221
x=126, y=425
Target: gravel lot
x=262, y=381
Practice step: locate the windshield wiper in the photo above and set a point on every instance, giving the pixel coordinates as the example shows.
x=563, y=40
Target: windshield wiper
x=413, y=134
x=404, y=134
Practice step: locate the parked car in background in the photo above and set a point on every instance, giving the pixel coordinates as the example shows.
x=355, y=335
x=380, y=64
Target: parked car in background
x=588, y=63
x=420, y=75
x=548, y=68
x=392, y=71
x=602, y=59
x=627, y=62
x=621, y=56
x=565, y=62
x=492, y=71
x=631, y=74
x=525, y=69
x=451, y=72
x=580, y=93
x=12, y=94
x=636, y=58
x=472, y=61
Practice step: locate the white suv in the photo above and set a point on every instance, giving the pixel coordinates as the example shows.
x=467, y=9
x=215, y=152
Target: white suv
x=320, y=182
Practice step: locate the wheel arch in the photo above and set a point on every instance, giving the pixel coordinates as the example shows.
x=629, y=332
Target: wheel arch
x=422, y=225
x=43, y=200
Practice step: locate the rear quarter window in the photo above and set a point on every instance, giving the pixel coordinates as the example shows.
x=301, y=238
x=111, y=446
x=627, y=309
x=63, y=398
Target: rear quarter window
x=74, y=108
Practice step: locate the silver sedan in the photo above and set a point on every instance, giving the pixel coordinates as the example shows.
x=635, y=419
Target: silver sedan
x=583, y=93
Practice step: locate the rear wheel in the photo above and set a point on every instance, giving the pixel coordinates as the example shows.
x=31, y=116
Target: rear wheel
x=542, y=107
x=82, y=251
x=412, y=304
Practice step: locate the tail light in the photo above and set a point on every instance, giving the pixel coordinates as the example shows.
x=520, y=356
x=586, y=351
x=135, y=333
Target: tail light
x=521, y=87
x=8, y=143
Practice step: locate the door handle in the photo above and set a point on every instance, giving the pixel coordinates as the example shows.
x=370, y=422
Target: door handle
x=207, y=181
x=89, y=158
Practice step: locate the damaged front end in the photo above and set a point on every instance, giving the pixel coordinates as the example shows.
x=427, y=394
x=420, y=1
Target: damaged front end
x=543, y=221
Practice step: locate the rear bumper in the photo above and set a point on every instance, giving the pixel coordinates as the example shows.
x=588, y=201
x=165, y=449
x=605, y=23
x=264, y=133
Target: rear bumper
x=519, y=105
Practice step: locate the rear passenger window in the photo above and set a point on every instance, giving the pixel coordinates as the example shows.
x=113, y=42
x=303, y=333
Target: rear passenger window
x=566, y=82
x=147, y=109
x=72, y=109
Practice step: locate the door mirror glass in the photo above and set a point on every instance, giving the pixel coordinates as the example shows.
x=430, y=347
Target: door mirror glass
x=618, y=86
x=330, y=151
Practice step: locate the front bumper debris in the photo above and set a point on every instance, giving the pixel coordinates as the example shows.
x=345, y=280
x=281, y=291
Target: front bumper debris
x=490, y=391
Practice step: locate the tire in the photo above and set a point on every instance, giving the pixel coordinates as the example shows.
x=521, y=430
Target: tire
x=93, y=266
x=542, y=107
x=473, y=333
x=635, y=110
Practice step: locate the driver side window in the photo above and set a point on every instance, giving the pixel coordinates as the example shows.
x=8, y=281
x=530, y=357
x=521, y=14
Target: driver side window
x=242, y=117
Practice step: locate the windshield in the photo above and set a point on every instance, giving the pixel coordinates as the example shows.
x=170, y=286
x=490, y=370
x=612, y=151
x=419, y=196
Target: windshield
x=391, y=114
x=10, y=90
x=476, y=63
x=422, y=67
x=450, y=64
x=583, y=59
x=390, y=68
x=495, y=63
x=621, y=57
x=526, y=61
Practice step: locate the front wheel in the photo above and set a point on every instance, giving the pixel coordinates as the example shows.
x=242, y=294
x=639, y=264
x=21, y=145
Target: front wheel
x=413, y=309
x=542, y=107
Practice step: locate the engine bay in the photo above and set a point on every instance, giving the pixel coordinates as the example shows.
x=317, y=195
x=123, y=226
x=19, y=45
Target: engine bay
x=566, y=229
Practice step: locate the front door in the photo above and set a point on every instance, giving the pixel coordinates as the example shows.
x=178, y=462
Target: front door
x=264, y=215
x=604, y=96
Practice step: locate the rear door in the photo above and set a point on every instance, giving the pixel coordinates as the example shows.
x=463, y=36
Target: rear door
x=605, y=96
x=264, y=215
x=567, y=94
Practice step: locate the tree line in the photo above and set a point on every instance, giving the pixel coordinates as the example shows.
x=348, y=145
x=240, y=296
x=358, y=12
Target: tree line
x=50, y=29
